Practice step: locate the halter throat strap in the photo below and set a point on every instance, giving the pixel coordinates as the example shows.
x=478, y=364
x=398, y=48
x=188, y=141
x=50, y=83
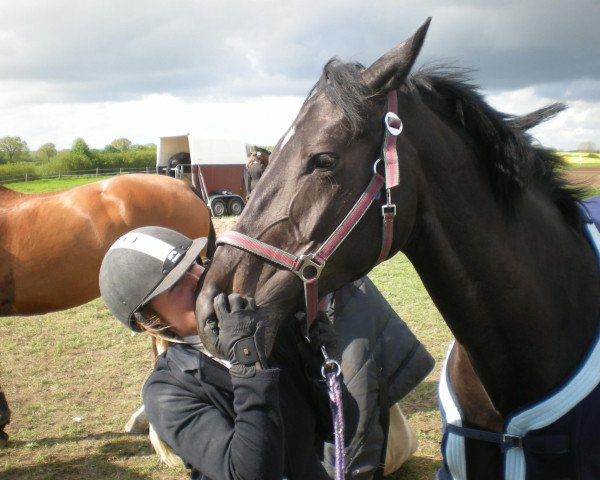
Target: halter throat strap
x=308, y=266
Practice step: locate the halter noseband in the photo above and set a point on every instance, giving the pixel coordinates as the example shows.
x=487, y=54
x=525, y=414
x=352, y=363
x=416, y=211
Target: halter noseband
x=309, y=265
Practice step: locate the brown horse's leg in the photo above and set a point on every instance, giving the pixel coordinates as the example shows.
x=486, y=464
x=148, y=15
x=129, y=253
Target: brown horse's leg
x=4, y=418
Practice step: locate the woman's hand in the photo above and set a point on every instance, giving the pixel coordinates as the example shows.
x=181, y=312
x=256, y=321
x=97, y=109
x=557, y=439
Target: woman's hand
x=240, y=334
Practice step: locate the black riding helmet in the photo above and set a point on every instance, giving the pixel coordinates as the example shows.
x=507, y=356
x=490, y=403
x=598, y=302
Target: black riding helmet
x=141, y=265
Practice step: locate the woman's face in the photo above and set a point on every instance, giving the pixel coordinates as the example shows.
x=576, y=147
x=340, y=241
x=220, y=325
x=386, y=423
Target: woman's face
x=177, y=305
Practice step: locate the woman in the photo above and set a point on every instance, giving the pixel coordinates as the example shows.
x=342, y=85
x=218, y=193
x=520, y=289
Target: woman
x=255, y=166
x=251, y=416
x=255, y=417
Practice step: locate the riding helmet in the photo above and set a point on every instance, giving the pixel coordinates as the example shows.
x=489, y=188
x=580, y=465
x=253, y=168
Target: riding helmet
x=143, y=264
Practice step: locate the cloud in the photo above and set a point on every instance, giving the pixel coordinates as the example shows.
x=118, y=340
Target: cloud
x=109, y=53
x=260, y=120
x=117, y=49
x=566, y=131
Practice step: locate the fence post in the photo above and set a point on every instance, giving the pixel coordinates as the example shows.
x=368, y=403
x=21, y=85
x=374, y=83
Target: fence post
x=96, y=171
x=59, y=175
x=26, y=176
x=120, y=170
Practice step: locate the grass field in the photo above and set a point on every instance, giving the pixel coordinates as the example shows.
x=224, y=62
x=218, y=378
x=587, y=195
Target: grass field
x=581, y=159
x=53, y=184
x=74, y=377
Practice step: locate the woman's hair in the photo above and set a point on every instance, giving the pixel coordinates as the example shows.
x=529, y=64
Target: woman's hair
x=148, y=320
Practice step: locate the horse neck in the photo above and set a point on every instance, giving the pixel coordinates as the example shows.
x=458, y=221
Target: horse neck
x=520, y=292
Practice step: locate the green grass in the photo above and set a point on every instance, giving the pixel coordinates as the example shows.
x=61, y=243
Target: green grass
x=53, y=184
x=82, y=363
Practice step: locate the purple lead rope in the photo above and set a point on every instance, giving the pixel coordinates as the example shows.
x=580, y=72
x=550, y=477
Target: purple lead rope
x=331, y=373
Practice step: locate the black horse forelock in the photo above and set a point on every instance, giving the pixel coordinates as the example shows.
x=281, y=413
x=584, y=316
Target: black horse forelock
x=342, y=84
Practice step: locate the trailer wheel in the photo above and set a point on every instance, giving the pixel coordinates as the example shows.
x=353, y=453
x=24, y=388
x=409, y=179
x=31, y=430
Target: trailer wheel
x=218, y=207
x=235, y=206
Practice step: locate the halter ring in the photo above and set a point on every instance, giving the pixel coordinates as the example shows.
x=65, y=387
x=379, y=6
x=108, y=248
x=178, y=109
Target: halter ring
x=307, y=263
x=375, y=166
x=393, y=123
x=330, y=366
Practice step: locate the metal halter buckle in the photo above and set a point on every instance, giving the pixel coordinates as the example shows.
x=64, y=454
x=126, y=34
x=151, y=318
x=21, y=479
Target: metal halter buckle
x=307, y=262
x=385, y=209
x=389, y=207
x=390, y=120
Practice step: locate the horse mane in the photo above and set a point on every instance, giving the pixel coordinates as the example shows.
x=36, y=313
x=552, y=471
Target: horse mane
x=513, y=161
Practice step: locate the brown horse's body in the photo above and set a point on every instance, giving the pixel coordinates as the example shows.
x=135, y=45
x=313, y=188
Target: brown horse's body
x=52, y=244
x=487, y=220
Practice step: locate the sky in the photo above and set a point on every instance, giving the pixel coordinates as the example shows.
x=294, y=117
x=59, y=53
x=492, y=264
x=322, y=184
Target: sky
x=106, y=69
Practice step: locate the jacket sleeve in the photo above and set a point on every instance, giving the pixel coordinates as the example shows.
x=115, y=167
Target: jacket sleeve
x=249, y=447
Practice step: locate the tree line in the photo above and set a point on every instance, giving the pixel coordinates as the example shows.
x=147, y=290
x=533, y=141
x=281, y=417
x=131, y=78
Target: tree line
x=16, y=159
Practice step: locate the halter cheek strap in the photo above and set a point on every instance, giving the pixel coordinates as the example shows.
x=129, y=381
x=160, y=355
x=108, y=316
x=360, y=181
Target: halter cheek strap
x=393, y=128
x=309, y=265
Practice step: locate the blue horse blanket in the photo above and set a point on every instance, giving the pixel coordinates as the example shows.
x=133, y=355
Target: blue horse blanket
x=553, y=433
x=593, y=207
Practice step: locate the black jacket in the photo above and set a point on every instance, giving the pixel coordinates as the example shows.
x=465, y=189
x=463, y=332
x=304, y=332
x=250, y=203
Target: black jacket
x=262, y=428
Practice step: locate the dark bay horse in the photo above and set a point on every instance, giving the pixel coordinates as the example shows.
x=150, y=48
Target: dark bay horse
x=487, y=220
x=52, y=244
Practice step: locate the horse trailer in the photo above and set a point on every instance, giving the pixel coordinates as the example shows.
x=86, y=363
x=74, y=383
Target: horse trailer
x=215, y=167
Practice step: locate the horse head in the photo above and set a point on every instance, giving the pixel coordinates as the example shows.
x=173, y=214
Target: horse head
x=316, y=172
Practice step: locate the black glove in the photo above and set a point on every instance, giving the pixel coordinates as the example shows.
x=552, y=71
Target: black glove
x=240, y=334
x=320, y=334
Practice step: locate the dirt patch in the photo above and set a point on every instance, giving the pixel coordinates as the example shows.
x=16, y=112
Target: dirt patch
x=223, y=224
x=585, y=176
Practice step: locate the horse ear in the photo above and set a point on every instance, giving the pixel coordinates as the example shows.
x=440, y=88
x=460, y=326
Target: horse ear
x=389, y=71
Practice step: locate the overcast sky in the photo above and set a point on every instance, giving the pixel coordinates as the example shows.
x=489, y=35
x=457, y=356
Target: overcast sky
x=240, y=69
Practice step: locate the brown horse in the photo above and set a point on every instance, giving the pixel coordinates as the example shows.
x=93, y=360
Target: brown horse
x=487, y=220
x=52, y=244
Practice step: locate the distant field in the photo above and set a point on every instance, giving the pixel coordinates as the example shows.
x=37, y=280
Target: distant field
x=583, y=159
x=53, y=184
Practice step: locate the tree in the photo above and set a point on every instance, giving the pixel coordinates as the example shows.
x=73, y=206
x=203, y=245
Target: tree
x=121, y=144
x=587, y=147
x=81, y=147
x=46, y=151
x=13, y=149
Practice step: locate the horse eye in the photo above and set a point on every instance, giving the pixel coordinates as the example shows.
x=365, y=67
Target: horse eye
x=323, y=161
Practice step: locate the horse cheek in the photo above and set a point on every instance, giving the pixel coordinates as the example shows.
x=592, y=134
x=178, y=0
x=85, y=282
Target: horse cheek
x=307, y=211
